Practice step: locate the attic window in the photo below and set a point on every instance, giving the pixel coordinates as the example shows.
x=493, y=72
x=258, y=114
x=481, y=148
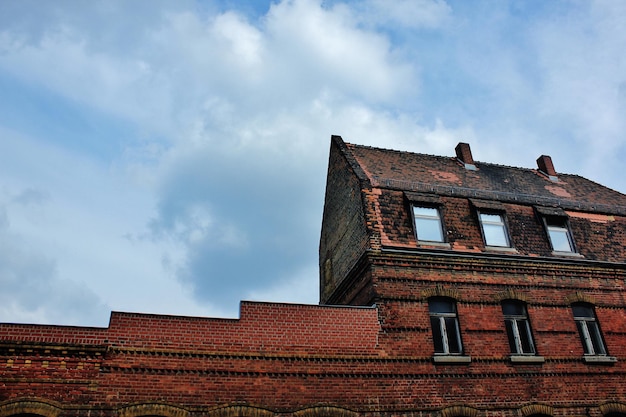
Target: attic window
x=428, y=226
x=555, y=221
x=494, y=229
x=559, y=234
x=493, y=223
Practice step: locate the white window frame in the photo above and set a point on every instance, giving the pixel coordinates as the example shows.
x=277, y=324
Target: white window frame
x=560, y=225
x=500, y=223
x=435, y=216
x=440, y=318
x=589, y=329
x=517, y=321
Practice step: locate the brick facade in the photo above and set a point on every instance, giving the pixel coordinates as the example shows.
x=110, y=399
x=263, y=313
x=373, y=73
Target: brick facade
x=370, y=348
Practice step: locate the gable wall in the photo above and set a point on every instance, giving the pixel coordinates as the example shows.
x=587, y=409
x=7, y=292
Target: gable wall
x=344, y=234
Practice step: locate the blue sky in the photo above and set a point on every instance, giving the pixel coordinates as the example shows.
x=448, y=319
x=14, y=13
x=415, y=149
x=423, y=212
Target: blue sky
x=170, y=157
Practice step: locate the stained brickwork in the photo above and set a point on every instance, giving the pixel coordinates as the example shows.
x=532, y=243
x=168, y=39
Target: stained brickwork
x=377, y=354
x=344, y=235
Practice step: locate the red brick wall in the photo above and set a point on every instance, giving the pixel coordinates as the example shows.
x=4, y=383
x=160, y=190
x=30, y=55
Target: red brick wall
x=597, y=236
x=286, y=358
x=344, y=234
x=187, y=360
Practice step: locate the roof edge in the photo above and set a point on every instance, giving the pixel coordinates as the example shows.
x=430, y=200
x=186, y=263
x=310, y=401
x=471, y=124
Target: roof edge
x=501, y=196
x=351, y=159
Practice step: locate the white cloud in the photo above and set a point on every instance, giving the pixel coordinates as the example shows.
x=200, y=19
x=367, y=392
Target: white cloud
x=314, y=48
x=299, y=287
x=585, y=74
x=411, y=14
x=31, y=287
x=70, y=240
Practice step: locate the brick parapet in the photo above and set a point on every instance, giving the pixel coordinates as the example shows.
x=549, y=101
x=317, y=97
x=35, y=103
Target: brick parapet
x=262, y=327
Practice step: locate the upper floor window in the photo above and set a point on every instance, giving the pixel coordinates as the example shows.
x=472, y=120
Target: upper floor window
x=518, y=327
x=588, y=329
x=494, y=229
x=428, y=226
x=559, y=234
x=445, y=326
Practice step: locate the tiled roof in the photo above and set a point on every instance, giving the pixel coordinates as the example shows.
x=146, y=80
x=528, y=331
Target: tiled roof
x=448, y=176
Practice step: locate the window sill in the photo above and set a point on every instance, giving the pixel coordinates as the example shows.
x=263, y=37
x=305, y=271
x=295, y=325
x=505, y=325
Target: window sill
x=452, y=359
x=506, y=249
x=527, y=359
x=599, y=359
x=567, y=254
x=442, y=245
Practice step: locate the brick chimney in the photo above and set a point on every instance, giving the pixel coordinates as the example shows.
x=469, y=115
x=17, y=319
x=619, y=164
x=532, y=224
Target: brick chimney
x=544, y=163
x=464, y=154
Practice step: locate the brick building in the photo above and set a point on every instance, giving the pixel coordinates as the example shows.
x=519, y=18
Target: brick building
x=448, y=288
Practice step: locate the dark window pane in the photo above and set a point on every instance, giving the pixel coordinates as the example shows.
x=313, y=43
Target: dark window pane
x=581, y=331
x=511, y=335
x=439, y=305
x=511, y=308
x=437, y=335
x=583, y=311
x=525, y=337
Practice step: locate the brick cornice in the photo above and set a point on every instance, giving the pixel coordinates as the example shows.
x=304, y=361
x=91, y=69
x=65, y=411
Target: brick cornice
x=613, y=407
x=325, y=411
x=488, y=262
x=459, y=410
x=30, y=348
x=533, y=409
x=152, y=409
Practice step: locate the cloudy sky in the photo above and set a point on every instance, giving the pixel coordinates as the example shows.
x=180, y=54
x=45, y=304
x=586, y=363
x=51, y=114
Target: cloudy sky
x=170, y=157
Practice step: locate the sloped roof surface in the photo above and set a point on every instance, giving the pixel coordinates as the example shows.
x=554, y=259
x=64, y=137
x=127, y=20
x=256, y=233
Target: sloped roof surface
x=447, y=176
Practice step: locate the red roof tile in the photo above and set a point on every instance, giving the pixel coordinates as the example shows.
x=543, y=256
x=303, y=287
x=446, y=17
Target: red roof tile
x=448, y=176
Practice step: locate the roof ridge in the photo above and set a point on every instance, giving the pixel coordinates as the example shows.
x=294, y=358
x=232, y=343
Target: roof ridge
x=397, y=151
x=476, y=162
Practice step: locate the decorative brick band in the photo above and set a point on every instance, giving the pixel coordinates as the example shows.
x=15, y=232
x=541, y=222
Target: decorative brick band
x=533, y=409
x=579, y=297
x=458, y=411
x=511, y=294
x=164, y=410
x=440, y=291
x=240, y=411
x=325, y=411
x=609, y=408
x=29, y=407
